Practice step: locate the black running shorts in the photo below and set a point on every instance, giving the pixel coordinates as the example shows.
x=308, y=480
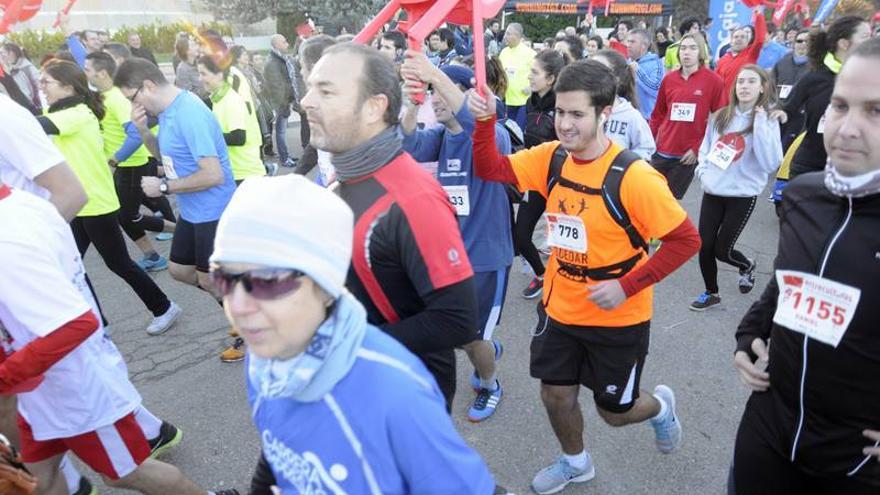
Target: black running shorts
x=193, y=244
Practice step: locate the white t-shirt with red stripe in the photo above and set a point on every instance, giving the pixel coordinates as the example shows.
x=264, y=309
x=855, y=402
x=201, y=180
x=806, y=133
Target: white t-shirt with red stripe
x=27, y=150
x=42, y=287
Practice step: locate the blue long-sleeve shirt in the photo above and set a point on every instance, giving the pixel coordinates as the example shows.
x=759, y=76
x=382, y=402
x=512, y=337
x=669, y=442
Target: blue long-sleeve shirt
x=77, y=50
x=648, y=79
x=382, y=430
x=486, y=228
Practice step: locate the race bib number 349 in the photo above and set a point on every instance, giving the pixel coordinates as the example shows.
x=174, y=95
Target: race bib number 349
x=819, y=308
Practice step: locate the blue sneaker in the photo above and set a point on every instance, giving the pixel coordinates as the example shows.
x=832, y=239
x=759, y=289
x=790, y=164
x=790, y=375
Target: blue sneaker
x=705, y=301
x=558, y=475
x=164, y=236
x=667, y=430
x=485, y=403
x=156, y=265
x=475, y=379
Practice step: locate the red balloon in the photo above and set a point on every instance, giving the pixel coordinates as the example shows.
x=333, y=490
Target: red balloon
x=752, y=3
x=29, y=9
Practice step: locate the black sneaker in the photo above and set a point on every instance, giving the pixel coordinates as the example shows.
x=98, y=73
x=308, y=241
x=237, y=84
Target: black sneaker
x=747, y=278
x=534, y=288
x=169, y=437
x=705, y=301
x=85, y=487
x=232, y=491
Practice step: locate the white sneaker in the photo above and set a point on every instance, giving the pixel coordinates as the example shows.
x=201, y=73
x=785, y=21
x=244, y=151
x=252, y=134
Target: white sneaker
x=163, y=322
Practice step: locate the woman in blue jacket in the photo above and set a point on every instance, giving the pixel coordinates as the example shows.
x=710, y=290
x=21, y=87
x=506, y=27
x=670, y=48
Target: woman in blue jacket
x=340, y=406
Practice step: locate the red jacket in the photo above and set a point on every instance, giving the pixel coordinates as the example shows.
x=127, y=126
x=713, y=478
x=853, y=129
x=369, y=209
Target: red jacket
x=705, y=90
x=730, y=64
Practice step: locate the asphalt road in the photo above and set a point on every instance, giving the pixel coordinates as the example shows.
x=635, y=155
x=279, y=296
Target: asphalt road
x=183, y=381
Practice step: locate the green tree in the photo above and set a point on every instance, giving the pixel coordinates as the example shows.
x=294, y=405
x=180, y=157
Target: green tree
x=351, y=14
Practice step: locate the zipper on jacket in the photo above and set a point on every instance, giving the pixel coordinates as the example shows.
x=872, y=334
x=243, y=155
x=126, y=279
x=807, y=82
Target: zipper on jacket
x=822, y=265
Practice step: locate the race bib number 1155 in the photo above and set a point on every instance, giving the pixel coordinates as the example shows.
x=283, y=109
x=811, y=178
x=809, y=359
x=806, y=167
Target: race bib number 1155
x=819, y=308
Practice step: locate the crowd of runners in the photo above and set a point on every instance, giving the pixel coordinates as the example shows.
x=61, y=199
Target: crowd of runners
x=349, y=288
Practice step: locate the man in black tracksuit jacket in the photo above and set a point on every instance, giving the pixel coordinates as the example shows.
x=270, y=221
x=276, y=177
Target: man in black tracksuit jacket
x=814, y=429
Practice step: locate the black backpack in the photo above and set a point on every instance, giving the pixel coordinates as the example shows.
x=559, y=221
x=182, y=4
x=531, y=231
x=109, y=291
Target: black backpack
x=610, y=193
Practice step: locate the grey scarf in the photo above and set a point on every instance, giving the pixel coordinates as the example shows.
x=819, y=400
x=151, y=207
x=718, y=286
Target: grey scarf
x=853, y=187
x=368, y=157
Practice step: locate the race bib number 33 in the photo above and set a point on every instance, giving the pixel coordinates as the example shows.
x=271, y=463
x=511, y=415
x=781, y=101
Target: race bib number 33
x=566, y=232
x=460, y=199
x=819, y=308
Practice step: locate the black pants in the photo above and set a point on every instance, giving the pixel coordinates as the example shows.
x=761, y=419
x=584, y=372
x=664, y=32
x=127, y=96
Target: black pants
x=526, y=218
x=103, y=231
x=678, y=175
x=161, y=203
x=760, y=469
x=722, y=220
x=128, y=189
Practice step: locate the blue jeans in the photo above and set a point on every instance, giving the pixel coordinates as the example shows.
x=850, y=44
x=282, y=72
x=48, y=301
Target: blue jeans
x=281, y=115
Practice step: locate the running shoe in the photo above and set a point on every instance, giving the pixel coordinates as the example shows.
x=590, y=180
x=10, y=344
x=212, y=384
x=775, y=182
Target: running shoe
x=85, y=487
x=534, y=288
x=475, y=378
x=667, y=430
x=485, y=403
x=524, y=267
x=271, y=168
x=163, y=322
x=233, y=353
x=558, y=475
x=232, y=491
x=747, y=278
x=164, y=236
x=169, y=437
x=705, y=301
x=289, y=163
x=156, y=264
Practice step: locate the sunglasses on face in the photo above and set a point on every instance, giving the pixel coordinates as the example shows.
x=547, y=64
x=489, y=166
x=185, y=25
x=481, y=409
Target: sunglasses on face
x=800, y=41
x=263, y=284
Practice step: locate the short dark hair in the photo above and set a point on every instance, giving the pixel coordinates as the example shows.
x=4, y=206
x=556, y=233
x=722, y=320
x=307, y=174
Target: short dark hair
x=591, y=77
x=628, y=24
x=598, y=39
x=118, y=50
x=378, y=77
x=181, y=47
x=134, y=71
x=102, y=61
x=395, y=37
x=551, y=62
x=311, y=50
x=575, y=47
x=687, y=24
x=447, y=36
x=213, y=66
x=14, y=49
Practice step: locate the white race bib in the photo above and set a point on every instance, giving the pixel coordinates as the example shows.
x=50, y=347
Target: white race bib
x=566, y=232
x=784, y=91
x=820, y=127
x=819, y=308
x=168, y=165
x=722, y=155
x=460, y=199
x=683, y=112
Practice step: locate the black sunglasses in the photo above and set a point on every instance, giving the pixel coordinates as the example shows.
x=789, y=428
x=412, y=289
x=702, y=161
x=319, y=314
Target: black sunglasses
x=264, y=284
x=135, y=95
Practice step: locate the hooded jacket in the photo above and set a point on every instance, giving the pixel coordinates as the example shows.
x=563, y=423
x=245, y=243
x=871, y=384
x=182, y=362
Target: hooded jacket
x=821, y=397
x=648, y=79
x=759, y=154
x=540, y=119
x=628, y=128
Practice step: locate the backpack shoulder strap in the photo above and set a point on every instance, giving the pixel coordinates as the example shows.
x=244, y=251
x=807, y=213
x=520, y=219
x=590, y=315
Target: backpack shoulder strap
x=611, y=196
x=554, y=171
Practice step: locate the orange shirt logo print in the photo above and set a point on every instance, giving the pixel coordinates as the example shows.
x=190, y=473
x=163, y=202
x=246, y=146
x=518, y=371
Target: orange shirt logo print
x=571, y=264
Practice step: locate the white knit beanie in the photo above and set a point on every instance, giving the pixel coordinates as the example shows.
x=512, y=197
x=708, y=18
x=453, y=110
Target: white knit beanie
x=288, y=222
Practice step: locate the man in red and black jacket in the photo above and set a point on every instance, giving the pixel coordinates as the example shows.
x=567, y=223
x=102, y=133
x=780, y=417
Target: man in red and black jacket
x=409, y=265
x=743, y=51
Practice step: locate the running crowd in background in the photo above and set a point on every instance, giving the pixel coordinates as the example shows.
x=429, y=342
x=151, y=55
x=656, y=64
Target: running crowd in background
x=348, y=301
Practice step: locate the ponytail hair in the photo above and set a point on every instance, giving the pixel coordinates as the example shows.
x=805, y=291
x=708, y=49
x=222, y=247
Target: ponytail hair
x=823, y=42
x=626, y=81
x=69, y=74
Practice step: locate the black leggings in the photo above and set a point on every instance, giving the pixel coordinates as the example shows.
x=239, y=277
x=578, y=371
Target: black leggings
x=103, y=231
x=526, y=219
x=128, y=189
x=161, y=203
x=722, y=220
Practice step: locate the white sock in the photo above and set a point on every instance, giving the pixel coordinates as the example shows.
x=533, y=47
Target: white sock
x=71, y=475
x=577, y=461
x=663, y=409
x=149, y=423
x=491, y=383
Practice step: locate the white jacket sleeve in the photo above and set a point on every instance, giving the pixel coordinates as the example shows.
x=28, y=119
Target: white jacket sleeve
x=705, y=147
x=767, y=143
x=642, y=141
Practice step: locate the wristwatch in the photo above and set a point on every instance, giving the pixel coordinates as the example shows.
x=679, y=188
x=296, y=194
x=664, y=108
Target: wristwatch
x=163, y=187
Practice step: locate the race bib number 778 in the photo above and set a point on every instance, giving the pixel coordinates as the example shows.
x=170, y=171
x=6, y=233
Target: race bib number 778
x=819, y=308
